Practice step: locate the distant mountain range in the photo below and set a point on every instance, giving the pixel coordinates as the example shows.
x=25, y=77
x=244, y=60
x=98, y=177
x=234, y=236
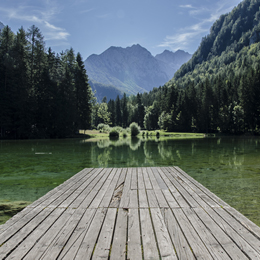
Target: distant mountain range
x=1, y=26
x=131, y=70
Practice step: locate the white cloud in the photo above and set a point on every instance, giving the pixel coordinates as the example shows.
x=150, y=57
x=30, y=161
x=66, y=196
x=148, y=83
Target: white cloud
x=41, y=17
x=57, y=36
x=206, y=15
x=186, y=6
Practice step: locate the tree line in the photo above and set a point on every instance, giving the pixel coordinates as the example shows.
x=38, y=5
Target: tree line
x=42, y=94
x=226, y=102
x=47, y=95
x=217, y=90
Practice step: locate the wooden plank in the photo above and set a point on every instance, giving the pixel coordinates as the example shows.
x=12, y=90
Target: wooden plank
x=142, y=197
x=203, y=188
x=197, y=246
x=134, y=179
x=126, y=191
x=133, y=202
x=201, y=197
x=43, y=243
x=64, y=194
x=213, y=246
x=36, y=203
x=147, y=181
x=203, y=200
x=248, y=224
x=21, y=233
x=74, y=242
x=175, y=193
x=153, y=203
x=159, y=179
x=86, y=183
x=140, y=179
x=163, y=239
x=178, y=239
x=84, y=245
x=121, y=179
x=134, y=236
x=111, y=189
x=103, y=246
x=240, y=229
x=150, y=250
x=155, y=185
x=103, y=189
x=161, y=200
x=170, y=199
x=229, y=246
x=63, y=236
x=232, y=234
x=205, y=197
x=118, y=250
x=91, y=191
x=188, y=198
x=63, y=227
x=77, y=178
x=19, y=224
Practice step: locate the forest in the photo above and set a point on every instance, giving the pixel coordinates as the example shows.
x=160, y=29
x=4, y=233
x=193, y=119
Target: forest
x=43, y=94
x=216, y=91
x=47, y=95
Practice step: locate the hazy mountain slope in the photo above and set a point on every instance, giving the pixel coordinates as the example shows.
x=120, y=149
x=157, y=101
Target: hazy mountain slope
x=1, y=26
x=231, y=38
x=133, y=69
x=102, y=90
x=173, y=60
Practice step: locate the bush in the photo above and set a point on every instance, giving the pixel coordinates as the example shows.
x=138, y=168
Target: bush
x=135, y=129
x=125, y=134
x=157, y=133
x=103, y=128
x=114, y=133
x=118, y=128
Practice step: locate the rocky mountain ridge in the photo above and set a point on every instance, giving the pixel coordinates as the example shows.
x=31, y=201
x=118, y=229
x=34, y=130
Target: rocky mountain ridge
x=133, y=69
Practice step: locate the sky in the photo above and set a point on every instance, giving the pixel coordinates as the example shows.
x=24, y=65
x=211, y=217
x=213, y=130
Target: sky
x=92, y=26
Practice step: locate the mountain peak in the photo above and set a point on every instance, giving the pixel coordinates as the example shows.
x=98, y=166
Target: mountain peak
x=132, y=69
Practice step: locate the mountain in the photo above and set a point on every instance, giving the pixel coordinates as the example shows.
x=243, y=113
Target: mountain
x=173, y=60
x=133, y=69
x=1, y=26
x=234, y=41
x=103, y=90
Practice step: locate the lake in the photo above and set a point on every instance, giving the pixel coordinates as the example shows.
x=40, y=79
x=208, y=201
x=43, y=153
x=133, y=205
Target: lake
x=228, y=166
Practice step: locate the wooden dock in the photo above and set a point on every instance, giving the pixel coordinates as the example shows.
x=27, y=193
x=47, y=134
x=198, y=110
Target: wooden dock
x=130, y=213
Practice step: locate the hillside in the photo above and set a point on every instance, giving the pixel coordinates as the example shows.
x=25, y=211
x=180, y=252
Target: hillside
x=232, y=37
x=218, y=89
x=133, y=69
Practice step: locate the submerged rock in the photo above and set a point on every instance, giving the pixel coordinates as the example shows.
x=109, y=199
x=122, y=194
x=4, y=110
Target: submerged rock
x=9, y=209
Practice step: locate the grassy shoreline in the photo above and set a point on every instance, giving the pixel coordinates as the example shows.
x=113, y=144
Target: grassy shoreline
x=95, y=134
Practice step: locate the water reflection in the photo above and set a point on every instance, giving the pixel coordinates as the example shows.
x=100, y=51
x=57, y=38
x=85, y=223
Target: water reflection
x=229, y=167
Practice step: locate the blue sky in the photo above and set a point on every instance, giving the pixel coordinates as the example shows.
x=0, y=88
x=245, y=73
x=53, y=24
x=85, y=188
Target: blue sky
x=92, y=26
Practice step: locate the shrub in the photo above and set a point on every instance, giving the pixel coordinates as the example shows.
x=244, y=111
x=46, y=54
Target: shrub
x=103, y=128
x=125, y=134
x=157, y=133
x=135, y=129
x=114, y=133
x=118, y=128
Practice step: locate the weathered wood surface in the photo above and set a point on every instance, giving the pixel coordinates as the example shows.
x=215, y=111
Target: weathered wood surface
x=130, y=213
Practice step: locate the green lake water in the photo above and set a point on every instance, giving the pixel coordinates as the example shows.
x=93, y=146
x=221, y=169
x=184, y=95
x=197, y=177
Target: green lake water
x=228, y=166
